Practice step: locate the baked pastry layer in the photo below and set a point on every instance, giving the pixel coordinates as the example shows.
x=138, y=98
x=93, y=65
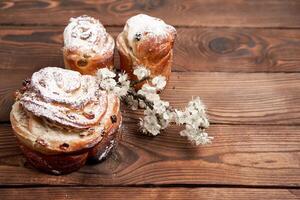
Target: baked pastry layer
x=42, y=137
x=66, y=163
x=62, y=119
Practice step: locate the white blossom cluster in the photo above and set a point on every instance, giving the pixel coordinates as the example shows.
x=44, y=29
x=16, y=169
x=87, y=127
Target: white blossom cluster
x=107, y=81
x=158, y=114
x=195, y=120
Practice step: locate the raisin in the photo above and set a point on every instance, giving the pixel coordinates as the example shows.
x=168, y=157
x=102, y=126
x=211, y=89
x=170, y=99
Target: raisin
x=91, y=130
x=64, y=146
x=113, y=119
x=42, y=83
x=88, y=115
x=71, y=117
x=82, y=62
x=138, y=36
x=86, y=56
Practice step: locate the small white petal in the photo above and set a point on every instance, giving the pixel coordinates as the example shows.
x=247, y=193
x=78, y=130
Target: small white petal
x=104, y=73
x=159, y=82
x=120, y=91
x=141, y=72
x=152, y=97
x=108, y=84
x=148, y=88
x=150, y=125
x=123, y=78
x=142, y=104
x=160, y=106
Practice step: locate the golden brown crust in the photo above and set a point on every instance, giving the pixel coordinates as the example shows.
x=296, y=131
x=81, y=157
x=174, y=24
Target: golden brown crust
x=66, y=159
x=155, y=53
x=67, y=163
x=54, y=164
x=100, y=151
x=84, y=64
x=162, y=67
x=87, y=45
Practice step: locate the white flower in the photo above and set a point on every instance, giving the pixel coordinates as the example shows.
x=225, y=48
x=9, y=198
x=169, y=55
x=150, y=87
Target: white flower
x=181, y=117
x=166, y=118
x=150, y=125
x=196, y=136
x=196, y=104
x=152, y=97
x=194, y=120
x=160, y=106
x=159, y=82
x=104, y=73
x=141, y=72
x=168, y=115
x=123, y=78
x=108, y=84
x=149, y=93
x=148, y=88
x=120, y=91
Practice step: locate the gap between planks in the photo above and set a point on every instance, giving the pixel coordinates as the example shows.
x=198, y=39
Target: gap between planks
x=235, y=13
x=148, y=193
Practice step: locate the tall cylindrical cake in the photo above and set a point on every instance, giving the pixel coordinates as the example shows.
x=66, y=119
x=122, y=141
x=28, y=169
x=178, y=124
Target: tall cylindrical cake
x=87, y=46
x=146, y=41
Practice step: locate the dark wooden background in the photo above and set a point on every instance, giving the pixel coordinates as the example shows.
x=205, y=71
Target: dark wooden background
x=241, y=57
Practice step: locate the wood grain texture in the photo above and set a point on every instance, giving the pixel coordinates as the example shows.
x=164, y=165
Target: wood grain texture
x=255, y=13
x=196, y=49
x=238, y=98
x=231, y=98
x=149, y=193
x=239, y=155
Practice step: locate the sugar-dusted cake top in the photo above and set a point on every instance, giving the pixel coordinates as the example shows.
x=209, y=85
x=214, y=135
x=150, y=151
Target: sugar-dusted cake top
x=143, y=26
x=65, y=97
x=87, y=35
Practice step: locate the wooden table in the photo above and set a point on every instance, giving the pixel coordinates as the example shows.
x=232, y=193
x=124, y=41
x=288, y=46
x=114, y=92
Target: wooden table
x=241, y=57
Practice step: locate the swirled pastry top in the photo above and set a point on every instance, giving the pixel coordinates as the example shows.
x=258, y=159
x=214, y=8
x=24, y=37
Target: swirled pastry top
x=86, y=34
x=142, y=27
x=65, y=97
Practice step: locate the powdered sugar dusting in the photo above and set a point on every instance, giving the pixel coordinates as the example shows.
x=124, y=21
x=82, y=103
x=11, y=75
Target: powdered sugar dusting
x=87, y=35
x=107, y=150
x=146, y=26
x=64, y=86
x=65, y=96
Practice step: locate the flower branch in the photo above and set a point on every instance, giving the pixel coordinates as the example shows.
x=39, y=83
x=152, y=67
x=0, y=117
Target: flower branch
x=158, y=114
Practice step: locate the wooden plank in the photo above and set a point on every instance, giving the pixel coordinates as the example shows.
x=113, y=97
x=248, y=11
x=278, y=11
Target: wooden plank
x=231, y=98
x=196, y=49
x=234, y=13
x=238, y=98
x=147, y=193
x=240, y=155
